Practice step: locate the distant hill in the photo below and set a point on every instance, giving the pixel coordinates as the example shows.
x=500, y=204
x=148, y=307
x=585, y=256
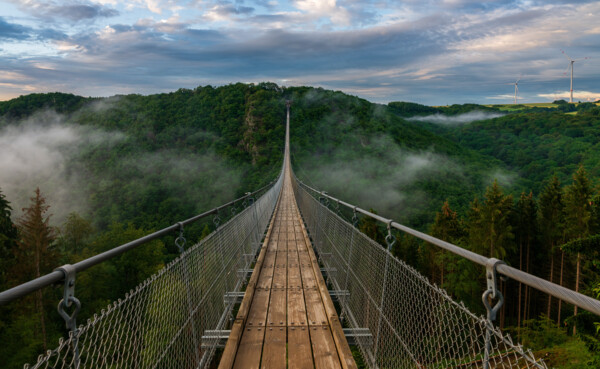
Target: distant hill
x=357, y=150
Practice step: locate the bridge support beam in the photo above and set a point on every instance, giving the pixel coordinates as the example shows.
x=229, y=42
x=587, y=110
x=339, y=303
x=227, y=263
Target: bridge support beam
x=218, y=338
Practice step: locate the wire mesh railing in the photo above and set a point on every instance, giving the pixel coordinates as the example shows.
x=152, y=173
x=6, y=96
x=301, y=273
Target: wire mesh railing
x=161, y=323
x=412, y=323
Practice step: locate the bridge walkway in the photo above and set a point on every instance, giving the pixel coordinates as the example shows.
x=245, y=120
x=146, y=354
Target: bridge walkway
x=287, y=318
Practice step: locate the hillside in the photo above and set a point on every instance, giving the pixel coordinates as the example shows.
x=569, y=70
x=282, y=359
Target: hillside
x=114, y=169
x=167, y=150
x=534, y=145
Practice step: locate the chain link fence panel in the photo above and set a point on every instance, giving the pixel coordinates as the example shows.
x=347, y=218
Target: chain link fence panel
x=412, y=323
x=160, y=324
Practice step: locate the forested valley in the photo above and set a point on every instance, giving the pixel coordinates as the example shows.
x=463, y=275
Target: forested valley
x=521, y=186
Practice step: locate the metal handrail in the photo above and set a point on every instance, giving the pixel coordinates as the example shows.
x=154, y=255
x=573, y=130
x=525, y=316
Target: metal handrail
x=585, y=302
x=58, y=274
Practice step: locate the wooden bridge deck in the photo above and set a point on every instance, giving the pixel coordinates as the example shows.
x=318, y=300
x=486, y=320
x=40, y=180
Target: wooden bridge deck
x=287, y=318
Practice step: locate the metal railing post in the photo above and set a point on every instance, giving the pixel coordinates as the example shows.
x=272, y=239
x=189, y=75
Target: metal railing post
x=180, y=243
x=348, y=260
x=390, y=241
x=492, y=292
x=68, y=300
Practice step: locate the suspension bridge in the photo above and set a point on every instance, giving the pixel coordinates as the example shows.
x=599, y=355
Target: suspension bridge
x=288, y=283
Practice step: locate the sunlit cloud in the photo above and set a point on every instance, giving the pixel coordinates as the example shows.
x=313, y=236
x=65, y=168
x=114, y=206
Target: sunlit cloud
x=428, y=51
x=577, y=95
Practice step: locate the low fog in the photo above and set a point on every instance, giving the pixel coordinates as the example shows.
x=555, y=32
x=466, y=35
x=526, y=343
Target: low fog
x=41, y=152
x=450, y=120
x=376, y=173
x=45, y=151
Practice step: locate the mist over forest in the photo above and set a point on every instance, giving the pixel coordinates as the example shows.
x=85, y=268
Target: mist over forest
x=114, y=169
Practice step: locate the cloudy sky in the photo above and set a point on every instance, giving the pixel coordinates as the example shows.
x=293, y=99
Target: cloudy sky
x=428, y=51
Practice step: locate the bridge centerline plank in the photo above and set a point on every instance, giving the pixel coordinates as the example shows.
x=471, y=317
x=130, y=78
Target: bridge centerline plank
x=287, y=318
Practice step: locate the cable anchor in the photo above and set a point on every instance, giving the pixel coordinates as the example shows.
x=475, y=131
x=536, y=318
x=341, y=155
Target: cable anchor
x=217, y=219
x=390, y=239
x=492, y=292
x=180, y=240
x=324, y=200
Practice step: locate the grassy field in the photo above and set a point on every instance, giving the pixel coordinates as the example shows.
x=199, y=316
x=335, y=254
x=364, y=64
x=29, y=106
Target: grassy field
x=511, y=107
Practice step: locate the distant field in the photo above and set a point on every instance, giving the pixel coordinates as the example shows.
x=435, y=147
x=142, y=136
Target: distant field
x=510, y=107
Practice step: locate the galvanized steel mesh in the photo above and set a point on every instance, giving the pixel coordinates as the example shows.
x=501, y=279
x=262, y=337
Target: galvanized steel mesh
x=161, y=322
x=413, y=323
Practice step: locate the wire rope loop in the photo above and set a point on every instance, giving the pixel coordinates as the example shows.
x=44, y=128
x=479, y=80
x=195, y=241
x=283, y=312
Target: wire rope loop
x=355, y=218
x=233, y=210
x=70, y=320
x=390, y=240
x=180, y=240
x=217, y=220
x=492, y=311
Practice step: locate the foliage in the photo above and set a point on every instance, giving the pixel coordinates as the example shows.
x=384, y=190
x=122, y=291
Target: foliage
x=8, y=237
x=551, y=213
x=184, y=152
x=552, y=344
x=490, y=229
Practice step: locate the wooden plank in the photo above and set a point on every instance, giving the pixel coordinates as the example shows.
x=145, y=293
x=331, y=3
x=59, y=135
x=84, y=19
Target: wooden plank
x=308, y=277
x=231, y=347
x=324, y=348
x=274, y=349
x=277, y=308
x=258, y=311
x=299, y=348
x=343, y=349
x=315, y=310
x=229, y=354
x=250, y=349
x=296, y=309
x=294, y=277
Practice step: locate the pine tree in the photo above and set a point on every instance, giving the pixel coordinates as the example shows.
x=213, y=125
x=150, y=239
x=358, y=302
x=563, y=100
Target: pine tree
x=525, y=232
x=370, y=227
x=490, y=231
x=449, y=228
x=34, y=253
x=8, y=237
x=74, y=234
x=552, y=217
x=578, y=214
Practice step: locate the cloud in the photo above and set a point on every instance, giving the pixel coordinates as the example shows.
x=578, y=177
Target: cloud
x=424, y=51
x=73, y=10
x=577, y=95
x=13, y=31
x=469, y=117
x=375, y=173
x=173, y=172
x=40, y=152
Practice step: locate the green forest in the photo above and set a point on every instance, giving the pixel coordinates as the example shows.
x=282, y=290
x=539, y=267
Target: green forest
x=522, y=186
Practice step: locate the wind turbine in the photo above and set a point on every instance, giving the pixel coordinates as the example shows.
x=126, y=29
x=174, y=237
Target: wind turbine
x=516, y=84
x=572, y=62
x=517, y=88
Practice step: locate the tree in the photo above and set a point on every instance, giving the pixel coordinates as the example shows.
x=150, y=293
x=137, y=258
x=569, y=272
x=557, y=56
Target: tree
x=370, y=227
x=551, y=217
x=578, y=214
x=490, y=231
x=8, y=237
x=34, y=253
x=525, y=232
x=449, y=228
x=132, y=267
x=74, y=234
